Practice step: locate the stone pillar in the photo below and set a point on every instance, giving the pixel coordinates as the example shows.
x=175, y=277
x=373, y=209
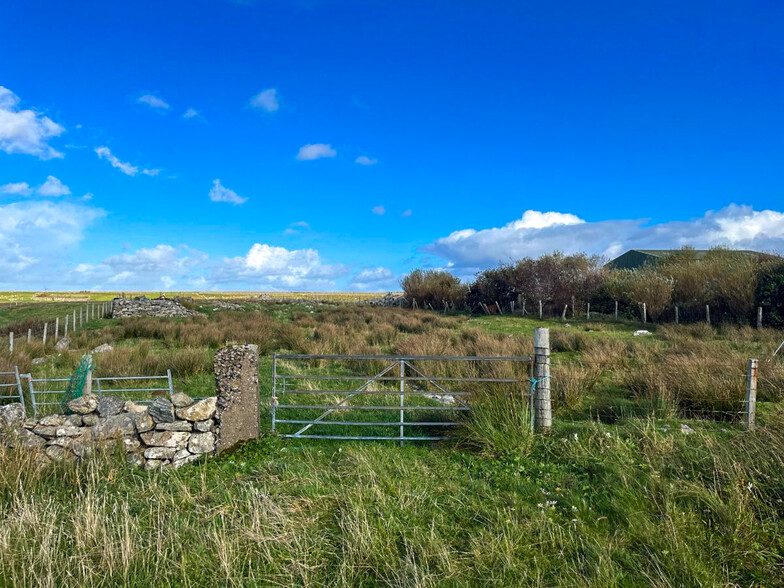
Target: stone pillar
x=237, y=388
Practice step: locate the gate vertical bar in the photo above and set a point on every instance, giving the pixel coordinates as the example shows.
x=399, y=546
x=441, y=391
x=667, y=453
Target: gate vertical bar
x=402, y=399
x=19, y=388
x=274, y=388
x=32, y=395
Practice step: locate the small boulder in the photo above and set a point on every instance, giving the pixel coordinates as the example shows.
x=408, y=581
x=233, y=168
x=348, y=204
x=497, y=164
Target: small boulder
x=686, y=429
x=22, y=439
x=12, y=415
x=53, y=420
x=131, y=406
x=190, y=458
x=203, y=426
x=136, y=459
x=84, y=404
x=38, y=360
x=131, y=444
x=162, y=410
x=90, y=420
x=46, y=432
x=143, y=421
x=76, y=446
x=200, y=411
x=160, y=452
x=103, y=348
x=62, y=344
x=74, y=420
x=181, y=400
x=201, y=443
x=110, y=406
x=165, y=439
x=59, y=453
x=175, y=426
x=114, y=427
x=69, y=431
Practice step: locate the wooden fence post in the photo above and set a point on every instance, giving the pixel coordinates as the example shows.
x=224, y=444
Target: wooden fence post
x=644, y=313
x=563, y=316
x=46, y=328
x=29, y=335
x=759, y=317
x=11, y=342
x=588, y=312
x=676, y=314
x=707, y=313
x=616, y=310
x=56, y=329
x=751, y=394
x=541, y=400
x=540, y=309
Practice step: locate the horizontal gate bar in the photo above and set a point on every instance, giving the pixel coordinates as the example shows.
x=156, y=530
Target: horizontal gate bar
x=373, y=392
x=399, y=379
x=370, y=423
x=408, y=357
x=364, y=438
x=366, y=407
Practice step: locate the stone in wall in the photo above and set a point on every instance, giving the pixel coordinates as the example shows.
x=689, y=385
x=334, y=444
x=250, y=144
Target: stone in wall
x=237, y=388
x=143, y=306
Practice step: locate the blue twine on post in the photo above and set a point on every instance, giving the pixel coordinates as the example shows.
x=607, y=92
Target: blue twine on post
x=535, y=381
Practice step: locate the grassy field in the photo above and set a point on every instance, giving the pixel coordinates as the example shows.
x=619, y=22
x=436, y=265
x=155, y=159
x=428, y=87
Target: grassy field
x=616, y=495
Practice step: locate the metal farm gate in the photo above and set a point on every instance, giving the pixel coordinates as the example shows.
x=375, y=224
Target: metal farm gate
x=423, y=394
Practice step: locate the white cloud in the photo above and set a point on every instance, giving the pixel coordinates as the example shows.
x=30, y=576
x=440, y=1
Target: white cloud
x=154, y=102
x=296, y=228
x=53, y=187
x=365, y=160
x=35, y=236
x=123, y=166
x=408, y=212
x=151, y=267
x=191, y=113
x=128, y=169
x=267, y=266
x=266, y=100
x=379, y=210
x=16, y=188
x=26, y=131
x=739, y=227
x=375, y=279
x=219, y=193
x=315, y=151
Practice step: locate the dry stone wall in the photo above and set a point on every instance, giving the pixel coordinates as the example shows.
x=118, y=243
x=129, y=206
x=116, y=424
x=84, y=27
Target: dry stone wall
x=171, y=431
x=142, y=306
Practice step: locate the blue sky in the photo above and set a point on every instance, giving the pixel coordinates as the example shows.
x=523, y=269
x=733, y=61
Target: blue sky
x=352, y=141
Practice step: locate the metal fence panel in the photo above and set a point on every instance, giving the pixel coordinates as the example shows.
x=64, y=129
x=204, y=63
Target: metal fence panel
x=404, y=378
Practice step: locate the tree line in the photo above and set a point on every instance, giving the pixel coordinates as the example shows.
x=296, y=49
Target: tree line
x=733, y=284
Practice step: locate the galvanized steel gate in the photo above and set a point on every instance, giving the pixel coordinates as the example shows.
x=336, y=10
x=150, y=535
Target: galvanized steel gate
x=410, y=394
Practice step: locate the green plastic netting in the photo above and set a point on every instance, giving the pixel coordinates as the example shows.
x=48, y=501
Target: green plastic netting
x=77, y=381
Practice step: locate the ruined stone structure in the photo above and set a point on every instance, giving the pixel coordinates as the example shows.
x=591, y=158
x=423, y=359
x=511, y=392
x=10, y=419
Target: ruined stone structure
x=171, y=431
x=143, y=306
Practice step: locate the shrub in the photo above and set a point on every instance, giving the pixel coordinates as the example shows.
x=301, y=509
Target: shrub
x=433, y=287
x=769, y=293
